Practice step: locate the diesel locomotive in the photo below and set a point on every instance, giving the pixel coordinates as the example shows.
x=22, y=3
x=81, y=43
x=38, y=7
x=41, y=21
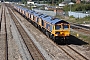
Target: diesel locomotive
x=52, y=27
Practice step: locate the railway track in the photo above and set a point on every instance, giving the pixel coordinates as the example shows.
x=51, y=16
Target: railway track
x=73, y=53
x=74, y=57
x=6, y=42
x=81, y=28
x=3, y=31
x=33, y=50
x=86, y=27
x=1, y=16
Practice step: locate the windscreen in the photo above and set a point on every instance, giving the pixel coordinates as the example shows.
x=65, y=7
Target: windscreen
x=57, y=27
x=65, y=26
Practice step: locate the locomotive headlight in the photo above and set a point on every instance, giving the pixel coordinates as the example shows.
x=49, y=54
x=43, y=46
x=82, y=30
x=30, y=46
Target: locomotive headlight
x=57, y=33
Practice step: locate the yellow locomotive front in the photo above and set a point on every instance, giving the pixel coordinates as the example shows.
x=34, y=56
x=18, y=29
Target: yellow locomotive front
x=61, y=30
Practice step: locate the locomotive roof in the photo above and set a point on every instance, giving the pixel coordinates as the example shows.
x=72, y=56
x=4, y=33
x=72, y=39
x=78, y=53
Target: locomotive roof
x=49, y=19
x=31, y=11
x=25, y=9
x=37, y=14
x=44, y=17
x=52, y=20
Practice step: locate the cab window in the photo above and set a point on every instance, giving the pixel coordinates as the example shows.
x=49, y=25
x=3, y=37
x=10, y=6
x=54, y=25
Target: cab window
x=57, y=27
x=65, y=26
